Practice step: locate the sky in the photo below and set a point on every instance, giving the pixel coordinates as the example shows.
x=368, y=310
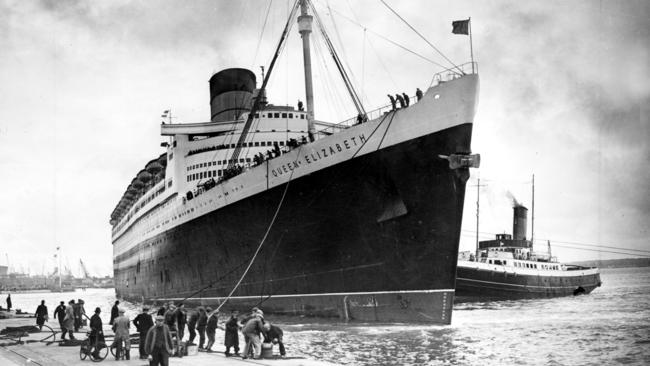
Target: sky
x=565, y=95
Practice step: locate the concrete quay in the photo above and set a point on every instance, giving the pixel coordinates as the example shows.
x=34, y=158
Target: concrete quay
x=34, y=351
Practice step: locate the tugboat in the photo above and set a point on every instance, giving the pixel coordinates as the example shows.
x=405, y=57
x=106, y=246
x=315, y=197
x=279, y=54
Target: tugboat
x=508, y=268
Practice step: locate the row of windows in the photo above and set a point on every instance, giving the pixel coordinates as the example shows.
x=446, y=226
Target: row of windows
x=205, y=175
x=526, y=265
x=280, y=115
x=232, y=146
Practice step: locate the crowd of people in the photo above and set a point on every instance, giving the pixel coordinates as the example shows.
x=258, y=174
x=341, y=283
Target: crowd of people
x=403, y=99
x=204, y=322
x=162, y=331
x=71, y=318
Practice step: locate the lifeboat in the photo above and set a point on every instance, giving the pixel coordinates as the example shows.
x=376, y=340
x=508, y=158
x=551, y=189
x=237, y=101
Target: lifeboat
x=144, y=176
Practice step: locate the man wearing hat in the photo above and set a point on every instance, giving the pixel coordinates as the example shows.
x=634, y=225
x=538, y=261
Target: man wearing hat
x=59, y=313
x=96, y=331
x=211, y=330
x=143, y=323
x=251, y=331
x=201, y=324
x=121, y=326
x=68, y=320
x=158, y=343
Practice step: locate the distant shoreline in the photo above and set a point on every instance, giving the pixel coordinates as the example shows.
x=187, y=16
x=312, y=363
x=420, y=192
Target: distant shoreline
x=616, y=263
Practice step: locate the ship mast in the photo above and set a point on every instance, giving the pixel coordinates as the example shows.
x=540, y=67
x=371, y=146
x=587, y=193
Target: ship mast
x=532, y=217
x=304, y=27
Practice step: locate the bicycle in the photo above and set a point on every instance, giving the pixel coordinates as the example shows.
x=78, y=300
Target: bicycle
x=119, y=350
x=97, y=352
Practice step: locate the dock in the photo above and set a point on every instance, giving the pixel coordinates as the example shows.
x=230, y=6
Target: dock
x=33, y=351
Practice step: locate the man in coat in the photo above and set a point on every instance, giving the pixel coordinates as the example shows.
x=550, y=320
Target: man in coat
x=79, y=312
x=231, y=338
x=158, y=343
x=96, y=331
x=192, y=318
x=59, y=314
x=202, y=324
x=114, y=312
x=121, y=326
x=211, y=330
x=251, y=330
x=273, y=334
x=68, y=320
x=181, y=319
x=143, y=323
x=41, y=315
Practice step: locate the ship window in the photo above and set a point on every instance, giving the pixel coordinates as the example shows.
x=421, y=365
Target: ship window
x=263, y=143
x=248, y=160
x=214, y=173
x=257, y=144
x=270, y=115
x=302, y=116
x=219, y=172
x=257, y=115
x=170, y=183
x=284, y=115
x=281, y=143
x=290, y=115
x=241, y=160
x=277, y=115
x=269, y=143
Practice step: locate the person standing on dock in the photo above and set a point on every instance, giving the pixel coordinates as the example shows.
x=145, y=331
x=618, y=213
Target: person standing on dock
x=202, y=324
x=68, y=320
x=251, y=330
x=121, y=326
x=231, y=338
x=114, y=312
x=211, y=330
x=41, y=315
x=192, y=318
x=418, y=94
x=143, y=323
x=59, y=313
x=79, y=312
x=8, y=302
x=181, y=319
x=96, y=331
x=158, y=343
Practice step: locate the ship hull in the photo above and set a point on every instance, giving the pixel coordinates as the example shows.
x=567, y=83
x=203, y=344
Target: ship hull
x=480, y=284
x=374, y=238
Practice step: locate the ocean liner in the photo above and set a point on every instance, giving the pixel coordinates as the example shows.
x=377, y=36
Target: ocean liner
x=266, y=206
x=508, y=268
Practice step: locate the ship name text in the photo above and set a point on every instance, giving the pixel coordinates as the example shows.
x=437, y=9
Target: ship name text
x=322, y=153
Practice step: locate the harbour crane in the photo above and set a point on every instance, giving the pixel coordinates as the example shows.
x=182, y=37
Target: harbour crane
x=84, y=271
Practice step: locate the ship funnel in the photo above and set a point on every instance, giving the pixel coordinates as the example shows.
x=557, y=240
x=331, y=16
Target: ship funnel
x=519, y=222
x=231, y=92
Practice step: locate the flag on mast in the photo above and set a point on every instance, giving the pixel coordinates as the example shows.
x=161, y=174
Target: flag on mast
x=460, y=26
